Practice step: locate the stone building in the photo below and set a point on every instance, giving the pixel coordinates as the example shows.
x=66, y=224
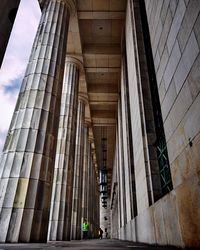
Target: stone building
x=107, y=125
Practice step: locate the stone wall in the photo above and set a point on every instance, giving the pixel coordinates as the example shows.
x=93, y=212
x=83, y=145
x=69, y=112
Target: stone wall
x=174, y=31
x=136, y=115
x=105, y=218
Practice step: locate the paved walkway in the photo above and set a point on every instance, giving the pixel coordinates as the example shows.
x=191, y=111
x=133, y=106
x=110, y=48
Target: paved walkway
x=85, y=245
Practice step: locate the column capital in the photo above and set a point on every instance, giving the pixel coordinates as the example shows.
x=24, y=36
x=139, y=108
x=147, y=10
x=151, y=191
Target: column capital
x=71, y=4
x=88, y=122
x=83, y=97
x=74, y=60
x=91, y=139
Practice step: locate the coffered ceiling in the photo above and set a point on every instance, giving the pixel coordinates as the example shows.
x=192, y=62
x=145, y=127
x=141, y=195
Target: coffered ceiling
x=95, y=36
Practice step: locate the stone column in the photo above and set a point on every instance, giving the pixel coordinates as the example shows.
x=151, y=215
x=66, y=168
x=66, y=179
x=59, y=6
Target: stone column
x=29, y=152
x=85, y=172
x=63, y=170
x=97, y=207
x=95, y=201
x=121, y=174
x=91, y=187
x=87, y=187
x=78, y=171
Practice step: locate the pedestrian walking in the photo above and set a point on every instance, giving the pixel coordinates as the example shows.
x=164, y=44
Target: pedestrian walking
x=85, y=229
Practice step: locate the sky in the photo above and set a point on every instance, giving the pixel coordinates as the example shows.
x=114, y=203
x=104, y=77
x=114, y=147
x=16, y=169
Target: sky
x=15, y=61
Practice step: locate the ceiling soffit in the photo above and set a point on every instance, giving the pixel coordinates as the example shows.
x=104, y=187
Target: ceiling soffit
x=101, y=24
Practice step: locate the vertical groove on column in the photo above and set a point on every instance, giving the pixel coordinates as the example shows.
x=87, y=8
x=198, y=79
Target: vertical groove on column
x=63, y=172
x=28, y=155
x=68, y=208
x=78, y=172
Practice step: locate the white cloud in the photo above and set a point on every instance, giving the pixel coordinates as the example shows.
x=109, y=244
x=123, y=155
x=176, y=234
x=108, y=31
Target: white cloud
x=15, y=61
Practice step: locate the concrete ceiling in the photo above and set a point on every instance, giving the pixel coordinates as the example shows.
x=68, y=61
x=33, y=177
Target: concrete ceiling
x=95, y=35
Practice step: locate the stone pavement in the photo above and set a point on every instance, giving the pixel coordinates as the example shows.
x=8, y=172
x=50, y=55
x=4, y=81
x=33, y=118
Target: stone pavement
x=109, y=244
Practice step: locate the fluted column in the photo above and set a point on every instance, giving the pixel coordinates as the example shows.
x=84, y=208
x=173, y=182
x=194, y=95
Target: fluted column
x=88, y=185
x=85, y=172
x=95, y=200
x=90, y=190
x=63, y=170
x=78, y=171
x=96, y=206
x=29, y=152
x=97, y=215
x=93, y=188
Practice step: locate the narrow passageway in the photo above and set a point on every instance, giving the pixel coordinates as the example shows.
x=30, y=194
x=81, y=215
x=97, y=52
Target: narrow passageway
x=109, y=244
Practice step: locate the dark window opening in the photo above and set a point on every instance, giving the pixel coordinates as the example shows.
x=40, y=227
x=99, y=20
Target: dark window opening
x=161, y=146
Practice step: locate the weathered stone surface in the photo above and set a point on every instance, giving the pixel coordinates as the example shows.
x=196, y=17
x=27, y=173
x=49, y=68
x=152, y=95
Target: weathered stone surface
x=64, y=169
x=145, y=231
x=168, y=101
x=78, y=173
x=33, y=131
x=172, y=64
x=187, y=25
x=176, y=23
x=171, y=219
x=186, y=164
x=189, y=55
x=160, y=230
x=188, y=207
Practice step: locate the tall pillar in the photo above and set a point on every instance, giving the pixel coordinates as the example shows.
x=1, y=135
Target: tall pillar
x=29, y=152
x=95, y=199
x=59, y=223
x=97, y=207
x=85, y=172
x=91, y=202
x=78, y=171
x=88, y=186
x=121, y=174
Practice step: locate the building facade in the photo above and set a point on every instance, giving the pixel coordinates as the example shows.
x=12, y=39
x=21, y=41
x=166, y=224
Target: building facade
x=107, y=125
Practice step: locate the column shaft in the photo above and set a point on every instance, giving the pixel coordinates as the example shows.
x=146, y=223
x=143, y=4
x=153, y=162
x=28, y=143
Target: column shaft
x=78, y=173
x=29, y=152
x=63, y=172
x=90, y=192
x=85, y=175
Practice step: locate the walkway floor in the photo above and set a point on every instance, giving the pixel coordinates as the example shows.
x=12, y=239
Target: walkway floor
x=105, y=244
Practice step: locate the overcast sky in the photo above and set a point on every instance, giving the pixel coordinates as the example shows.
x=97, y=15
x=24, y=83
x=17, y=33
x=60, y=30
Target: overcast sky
x=15, y=61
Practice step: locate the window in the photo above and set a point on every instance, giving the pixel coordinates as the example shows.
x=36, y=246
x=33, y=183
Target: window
x=161, y=146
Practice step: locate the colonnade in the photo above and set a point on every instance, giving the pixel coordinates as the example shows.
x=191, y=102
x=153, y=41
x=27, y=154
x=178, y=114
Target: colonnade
x=47, y=163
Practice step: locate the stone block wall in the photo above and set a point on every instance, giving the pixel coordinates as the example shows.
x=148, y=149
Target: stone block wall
x=174, y=27
x=105, y=219
x=136, y=116
x=174, y=31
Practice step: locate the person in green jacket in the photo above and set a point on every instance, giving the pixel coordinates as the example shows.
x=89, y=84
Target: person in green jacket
x=85, y=229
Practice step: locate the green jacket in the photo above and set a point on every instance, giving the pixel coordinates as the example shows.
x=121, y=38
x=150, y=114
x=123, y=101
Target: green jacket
x=85, y=227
